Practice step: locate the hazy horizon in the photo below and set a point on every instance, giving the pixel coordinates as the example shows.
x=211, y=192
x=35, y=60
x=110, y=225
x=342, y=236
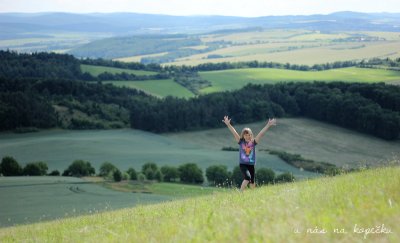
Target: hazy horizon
x=250, y=8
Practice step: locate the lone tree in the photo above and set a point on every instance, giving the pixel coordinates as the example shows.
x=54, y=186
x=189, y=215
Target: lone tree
x=217, y=174
x=117, y=175
x=10, y=167
x=191, y=173
x=79, y=168
x=106, y=169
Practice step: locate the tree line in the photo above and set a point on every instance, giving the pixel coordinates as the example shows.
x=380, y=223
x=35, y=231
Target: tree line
x=368, y=108
x=217, y=175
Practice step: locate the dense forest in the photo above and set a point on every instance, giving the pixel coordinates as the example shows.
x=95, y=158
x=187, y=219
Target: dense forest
x=45, y=90
x=369, y=108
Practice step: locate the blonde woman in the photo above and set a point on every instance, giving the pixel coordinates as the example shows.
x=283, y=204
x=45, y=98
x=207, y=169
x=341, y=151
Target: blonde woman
x=247, y=152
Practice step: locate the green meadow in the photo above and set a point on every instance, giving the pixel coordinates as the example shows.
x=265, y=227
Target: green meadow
x=159, y=88
x=356, y=207
x=96, y=70
x=237, y=78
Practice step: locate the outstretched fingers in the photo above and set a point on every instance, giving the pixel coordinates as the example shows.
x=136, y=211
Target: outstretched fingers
x=272, y=122
x=226, y=120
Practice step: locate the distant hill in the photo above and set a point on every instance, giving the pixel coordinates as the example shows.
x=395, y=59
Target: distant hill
x=17, y=24
x=191, y=40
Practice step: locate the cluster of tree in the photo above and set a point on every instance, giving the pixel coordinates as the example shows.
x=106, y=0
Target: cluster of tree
x=105, y=76
x=10, y=167
x=30, y=102
x=217, y=175
x=355, y=106
x=43, y=65
x=192, y=81
x=316, y=67
x=306, y=164
x=24, y=109
x=257, y=64
x=344, y=105
x=387, y=62
x=123, y=65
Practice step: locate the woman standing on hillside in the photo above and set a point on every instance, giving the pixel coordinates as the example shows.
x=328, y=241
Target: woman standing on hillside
x=247, y=152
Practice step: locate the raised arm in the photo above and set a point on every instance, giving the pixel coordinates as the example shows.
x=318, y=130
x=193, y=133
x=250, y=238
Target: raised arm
x=271, y=122
x=227, y=122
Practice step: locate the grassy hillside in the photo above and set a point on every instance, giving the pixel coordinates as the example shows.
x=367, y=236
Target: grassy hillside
x=237, y=78
x=312, y=139
x=132, y=148
x=356, y=207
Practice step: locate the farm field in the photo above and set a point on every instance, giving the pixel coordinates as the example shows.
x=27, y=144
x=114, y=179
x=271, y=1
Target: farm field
x=298, y=47
x=60, y=42
x=356, y=207
x=138, y=58
x=34, y=199
x=237, y=78
x=124, y=148
x=41, y=198
x=159, y=88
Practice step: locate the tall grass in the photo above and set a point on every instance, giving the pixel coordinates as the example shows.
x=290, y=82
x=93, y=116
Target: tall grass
x=357, y=207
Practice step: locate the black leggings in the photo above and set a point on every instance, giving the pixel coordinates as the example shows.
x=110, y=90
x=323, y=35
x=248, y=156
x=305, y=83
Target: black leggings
x=247, y=172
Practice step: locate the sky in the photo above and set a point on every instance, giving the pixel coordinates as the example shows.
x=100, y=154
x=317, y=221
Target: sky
x=245, y=8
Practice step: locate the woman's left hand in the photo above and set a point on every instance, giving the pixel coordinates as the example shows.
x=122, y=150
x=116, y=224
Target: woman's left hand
x=271, y=122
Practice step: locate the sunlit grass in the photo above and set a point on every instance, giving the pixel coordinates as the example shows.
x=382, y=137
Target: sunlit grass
x=343, y=208
x=159, y=88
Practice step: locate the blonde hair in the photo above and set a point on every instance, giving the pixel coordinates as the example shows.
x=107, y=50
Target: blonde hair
x=244, y=131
